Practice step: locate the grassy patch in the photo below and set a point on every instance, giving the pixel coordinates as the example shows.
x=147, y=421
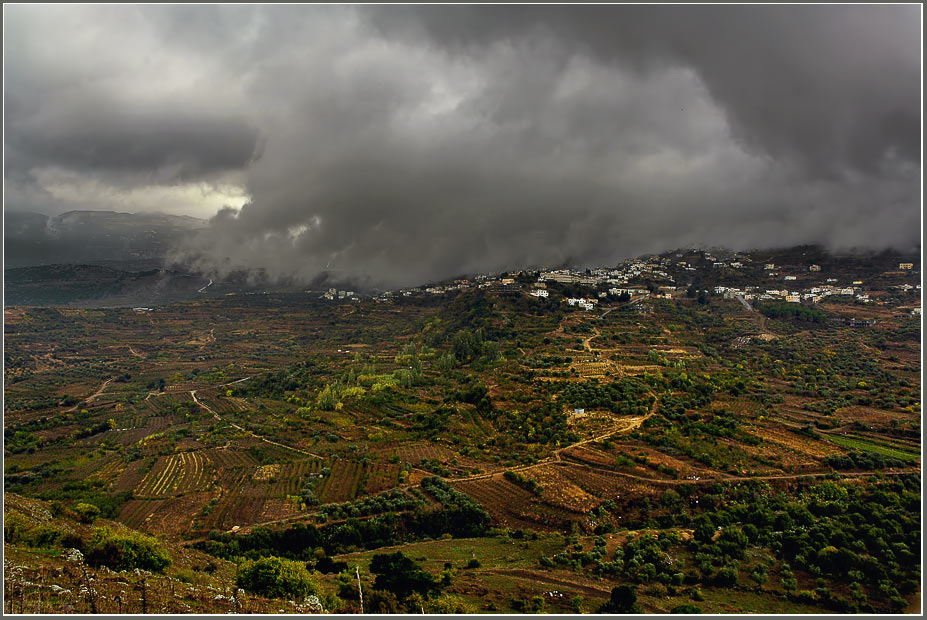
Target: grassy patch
x=720, y=600
x=491, y=552
x=868, y=446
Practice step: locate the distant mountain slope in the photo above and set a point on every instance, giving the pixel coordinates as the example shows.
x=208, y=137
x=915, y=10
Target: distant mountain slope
x=94, y=285
x=132, y=240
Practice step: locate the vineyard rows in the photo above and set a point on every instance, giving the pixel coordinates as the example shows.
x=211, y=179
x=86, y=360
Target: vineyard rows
x=135, y=511
x=415, y=454
x=341, y=485
x=178, y=473
x=224, y=459
x=291, y=477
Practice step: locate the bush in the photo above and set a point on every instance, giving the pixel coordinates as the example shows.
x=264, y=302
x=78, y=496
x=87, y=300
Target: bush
x=126, y=551
x=86, y=513
x=382, y=602
x=15, y=525
x=623, y=601
x=450, y=604
x=400, y=575
x=275, y=577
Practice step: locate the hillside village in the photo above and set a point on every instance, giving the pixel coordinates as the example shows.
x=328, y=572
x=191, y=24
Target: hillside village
x=742, y=276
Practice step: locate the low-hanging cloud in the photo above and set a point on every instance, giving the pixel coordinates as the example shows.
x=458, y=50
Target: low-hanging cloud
x=393, y=145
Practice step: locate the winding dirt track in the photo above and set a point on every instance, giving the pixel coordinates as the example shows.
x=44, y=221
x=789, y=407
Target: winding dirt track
x=261, y=437
x=87, y=400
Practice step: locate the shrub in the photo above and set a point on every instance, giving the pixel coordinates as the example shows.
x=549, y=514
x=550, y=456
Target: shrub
x=450, y=604
x=382, y=602
x=126, y=551
x=400, y=575
x=14, y=525
x=86, y=513
x=623, y=601
x=275, y=577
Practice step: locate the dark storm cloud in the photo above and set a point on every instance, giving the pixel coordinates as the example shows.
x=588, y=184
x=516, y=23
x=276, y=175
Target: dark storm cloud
x=398, y=144
x=111, y=139
x=826, y=87
x=95, y=92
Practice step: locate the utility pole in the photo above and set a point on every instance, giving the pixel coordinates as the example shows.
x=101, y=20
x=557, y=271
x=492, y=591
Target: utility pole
x=360, y=591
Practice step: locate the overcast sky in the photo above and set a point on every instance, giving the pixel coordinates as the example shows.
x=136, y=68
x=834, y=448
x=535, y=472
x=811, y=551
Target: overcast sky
x=400, y=144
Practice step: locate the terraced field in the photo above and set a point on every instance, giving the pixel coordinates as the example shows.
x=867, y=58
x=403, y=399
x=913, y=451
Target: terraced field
x=185, y=472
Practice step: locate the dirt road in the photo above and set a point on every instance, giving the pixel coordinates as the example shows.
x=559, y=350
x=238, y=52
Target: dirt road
x=255, y=435
x=87, y=400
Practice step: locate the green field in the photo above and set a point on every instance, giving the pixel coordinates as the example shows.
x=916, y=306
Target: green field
x=868, y=446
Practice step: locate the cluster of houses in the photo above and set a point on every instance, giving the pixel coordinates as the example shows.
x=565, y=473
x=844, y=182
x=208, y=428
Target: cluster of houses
x=813, y=294
x=332, y=294
x=655, y=269
x=585, y=304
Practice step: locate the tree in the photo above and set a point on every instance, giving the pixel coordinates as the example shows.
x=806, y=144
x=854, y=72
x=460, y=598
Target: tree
x=727, y=576
x=623, y=601
x=759, y=575
x=733, y=542
x=704, y=529
x=400, y=575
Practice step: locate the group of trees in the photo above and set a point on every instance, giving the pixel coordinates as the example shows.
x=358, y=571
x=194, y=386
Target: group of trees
x=392, y=501
x=795, y=312
x=841, y=537
x=628, y=396
x=458, y=516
